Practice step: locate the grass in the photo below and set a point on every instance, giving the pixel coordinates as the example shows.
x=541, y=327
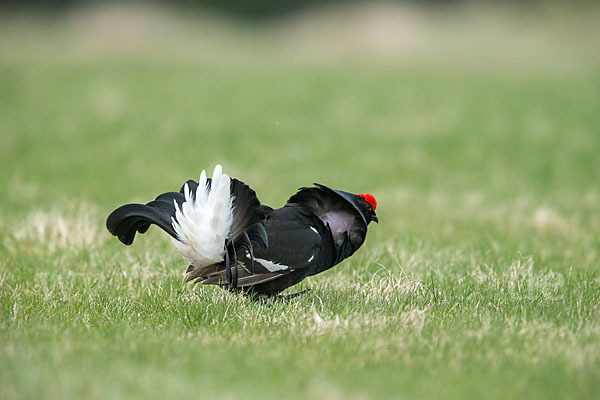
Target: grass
x=481, y=281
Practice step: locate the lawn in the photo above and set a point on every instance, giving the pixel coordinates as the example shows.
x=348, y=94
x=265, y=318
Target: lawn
x=481, y=280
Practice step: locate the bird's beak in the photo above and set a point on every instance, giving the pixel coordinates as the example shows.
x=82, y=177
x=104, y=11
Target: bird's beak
x=374, y=218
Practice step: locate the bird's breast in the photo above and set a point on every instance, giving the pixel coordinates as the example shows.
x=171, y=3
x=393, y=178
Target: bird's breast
x=339, y=222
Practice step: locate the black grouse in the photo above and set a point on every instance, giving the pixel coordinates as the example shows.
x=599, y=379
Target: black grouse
x=233, y=241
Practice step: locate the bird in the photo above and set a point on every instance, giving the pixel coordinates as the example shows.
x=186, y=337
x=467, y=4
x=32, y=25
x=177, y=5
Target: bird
x=233, y=241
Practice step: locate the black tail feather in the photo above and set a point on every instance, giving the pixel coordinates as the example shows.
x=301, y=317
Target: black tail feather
x=227, y=265
x=247, y=245
x=193, y=187
x=247, y=231
x=127, y=220
x=234, y=280
x=258, y=235
x=247, y=210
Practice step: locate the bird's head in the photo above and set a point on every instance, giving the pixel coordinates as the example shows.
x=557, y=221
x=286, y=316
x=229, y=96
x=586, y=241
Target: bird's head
x=365, y=204
x=322, y=199
x=369, y=204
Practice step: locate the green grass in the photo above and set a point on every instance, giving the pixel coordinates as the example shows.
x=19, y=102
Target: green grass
x=481, y=281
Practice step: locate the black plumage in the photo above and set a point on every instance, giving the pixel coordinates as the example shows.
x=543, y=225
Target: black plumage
x=267, y=250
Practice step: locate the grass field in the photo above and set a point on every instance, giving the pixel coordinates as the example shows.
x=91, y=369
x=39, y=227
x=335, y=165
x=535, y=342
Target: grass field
x=481, y=281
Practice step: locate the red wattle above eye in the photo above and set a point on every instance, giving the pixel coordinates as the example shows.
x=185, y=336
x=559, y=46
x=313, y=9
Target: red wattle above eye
x=369, y=198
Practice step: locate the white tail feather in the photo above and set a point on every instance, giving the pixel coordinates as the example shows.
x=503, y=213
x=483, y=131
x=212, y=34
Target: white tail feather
x=203, y=224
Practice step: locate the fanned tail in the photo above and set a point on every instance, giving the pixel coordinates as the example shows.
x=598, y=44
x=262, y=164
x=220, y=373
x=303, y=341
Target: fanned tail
x=134, y=218
x=209, y=221
x=245, y=232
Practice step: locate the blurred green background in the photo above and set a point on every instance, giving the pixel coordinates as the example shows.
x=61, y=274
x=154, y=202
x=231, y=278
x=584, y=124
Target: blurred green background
x=476, y=126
